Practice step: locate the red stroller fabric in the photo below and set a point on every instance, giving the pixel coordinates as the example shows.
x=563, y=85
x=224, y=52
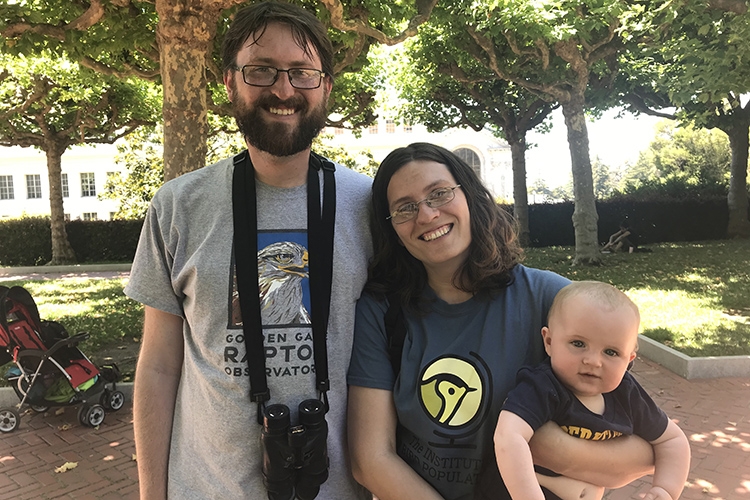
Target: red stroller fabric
x=21, y=329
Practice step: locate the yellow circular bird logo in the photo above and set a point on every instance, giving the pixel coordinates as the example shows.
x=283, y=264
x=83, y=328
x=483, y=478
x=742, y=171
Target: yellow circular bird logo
x=451, y=391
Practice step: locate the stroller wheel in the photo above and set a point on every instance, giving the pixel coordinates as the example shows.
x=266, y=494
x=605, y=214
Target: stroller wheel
x=91, y=416
x=9, y=419
x=113, y=400
x=39, y=409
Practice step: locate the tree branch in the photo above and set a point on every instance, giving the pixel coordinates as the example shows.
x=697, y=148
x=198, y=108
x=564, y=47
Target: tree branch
x=336, y=9
x=151, y=75
x=493, y=65
x=352, y=53
x=363, y=100
x=542, y=51
x=736, y=6
x=639, y=104
x=92, y=15
x=611, y=32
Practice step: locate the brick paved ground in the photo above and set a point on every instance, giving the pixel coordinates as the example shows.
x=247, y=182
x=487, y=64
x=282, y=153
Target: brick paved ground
x=715, y=415
x=105, y=471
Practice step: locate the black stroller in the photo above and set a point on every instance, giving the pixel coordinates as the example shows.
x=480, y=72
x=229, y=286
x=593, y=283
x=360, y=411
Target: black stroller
x=49, y=370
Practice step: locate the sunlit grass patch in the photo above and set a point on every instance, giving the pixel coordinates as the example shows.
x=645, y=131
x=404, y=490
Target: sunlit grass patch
x=694, y=297
x=696, y=325
x=96, y=306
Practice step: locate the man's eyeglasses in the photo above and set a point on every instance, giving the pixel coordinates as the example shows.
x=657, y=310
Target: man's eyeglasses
x=265, y=76
x=437, y=198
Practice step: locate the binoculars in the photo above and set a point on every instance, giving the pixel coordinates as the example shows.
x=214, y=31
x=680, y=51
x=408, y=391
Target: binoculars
x=295, y=457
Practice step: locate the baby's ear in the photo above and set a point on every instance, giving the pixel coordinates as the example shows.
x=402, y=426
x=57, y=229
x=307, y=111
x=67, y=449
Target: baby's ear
x=547, y=336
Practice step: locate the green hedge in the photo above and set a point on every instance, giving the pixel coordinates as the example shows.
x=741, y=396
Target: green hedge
x=28, y=242
x=653, y=221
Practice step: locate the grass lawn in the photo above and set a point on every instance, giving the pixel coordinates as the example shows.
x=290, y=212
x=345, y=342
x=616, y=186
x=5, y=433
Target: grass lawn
x=96, y=306
x=694, y=297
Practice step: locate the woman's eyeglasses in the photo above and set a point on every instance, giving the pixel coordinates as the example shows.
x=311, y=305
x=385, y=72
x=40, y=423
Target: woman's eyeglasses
x=437, y=198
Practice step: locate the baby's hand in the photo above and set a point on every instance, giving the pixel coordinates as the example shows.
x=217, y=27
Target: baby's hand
x=657, y=493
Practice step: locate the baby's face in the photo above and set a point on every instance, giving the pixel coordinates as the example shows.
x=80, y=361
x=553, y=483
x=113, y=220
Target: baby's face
x=590, y=346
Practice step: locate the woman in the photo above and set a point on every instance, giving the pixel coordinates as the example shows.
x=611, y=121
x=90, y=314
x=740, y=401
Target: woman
x=450, y=257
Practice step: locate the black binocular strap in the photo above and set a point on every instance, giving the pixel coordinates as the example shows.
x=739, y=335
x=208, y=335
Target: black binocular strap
x=320, y=232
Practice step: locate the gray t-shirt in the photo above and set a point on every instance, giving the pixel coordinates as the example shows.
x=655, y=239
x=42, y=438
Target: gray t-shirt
x=458, y=363
x=185, y=266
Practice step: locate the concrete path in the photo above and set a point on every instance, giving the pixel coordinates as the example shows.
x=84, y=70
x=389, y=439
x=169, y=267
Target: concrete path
x=715, y=414
x=56, y=272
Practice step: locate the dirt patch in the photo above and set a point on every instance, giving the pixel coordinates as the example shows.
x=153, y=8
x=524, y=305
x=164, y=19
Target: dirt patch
x=124, y=354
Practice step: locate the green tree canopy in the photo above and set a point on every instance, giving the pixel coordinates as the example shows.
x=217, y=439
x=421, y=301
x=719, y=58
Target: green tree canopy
x=177, y=43
x=554, y=50
x=52, y=103
x=696, y=57
x=680, y=162
x=141, y=155
x=444, y=86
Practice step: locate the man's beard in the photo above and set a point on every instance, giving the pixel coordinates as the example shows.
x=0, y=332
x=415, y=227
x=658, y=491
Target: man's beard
x=279, y=139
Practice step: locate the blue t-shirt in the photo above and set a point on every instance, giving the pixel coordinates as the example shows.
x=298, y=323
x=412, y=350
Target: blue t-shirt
x=458, y=363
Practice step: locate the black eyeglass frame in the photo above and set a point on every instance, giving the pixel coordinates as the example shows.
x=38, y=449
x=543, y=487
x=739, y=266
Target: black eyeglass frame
x=241, y=69
x=427, y=201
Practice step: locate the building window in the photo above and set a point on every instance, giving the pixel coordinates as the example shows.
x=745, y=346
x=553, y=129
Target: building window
x=407, y=129
x=90, y=216
x=33, y=186
x=338, y=131
x=471, y=158
x=64, y=185
x=373, y=129
x=88, y=184
x=6, y=187
x=390, y=127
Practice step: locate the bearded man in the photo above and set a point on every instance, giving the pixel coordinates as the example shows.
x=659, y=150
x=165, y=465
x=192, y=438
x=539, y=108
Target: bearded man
x=196, y=412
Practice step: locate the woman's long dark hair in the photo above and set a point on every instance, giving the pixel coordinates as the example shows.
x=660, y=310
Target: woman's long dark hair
x=494, y=248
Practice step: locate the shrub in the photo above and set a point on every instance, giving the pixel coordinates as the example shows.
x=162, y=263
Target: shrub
x=27, y=241
x=550, y=224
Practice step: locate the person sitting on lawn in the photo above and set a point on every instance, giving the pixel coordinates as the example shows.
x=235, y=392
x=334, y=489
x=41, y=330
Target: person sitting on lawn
x=624, y=238
x=585, y=388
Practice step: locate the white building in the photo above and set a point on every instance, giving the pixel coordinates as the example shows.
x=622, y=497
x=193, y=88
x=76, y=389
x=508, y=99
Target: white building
x=489, y=156
x=24, y=183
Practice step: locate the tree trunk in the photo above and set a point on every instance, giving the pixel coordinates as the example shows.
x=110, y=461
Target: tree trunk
x=584, y=215
x=517, y=144
x=739, y=225
x=185, y=33
x=62, y=252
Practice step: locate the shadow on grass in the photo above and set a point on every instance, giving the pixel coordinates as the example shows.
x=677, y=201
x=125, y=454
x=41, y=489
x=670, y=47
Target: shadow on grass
x=720, y=341
x=717, y=272
x=98, y=307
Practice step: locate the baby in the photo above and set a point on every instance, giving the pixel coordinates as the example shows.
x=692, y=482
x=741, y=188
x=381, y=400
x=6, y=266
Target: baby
x=585, y=388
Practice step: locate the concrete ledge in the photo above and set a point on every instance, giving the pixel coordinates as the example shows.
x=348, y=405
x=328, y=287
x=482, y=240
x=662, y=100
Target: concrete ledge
x=78, y=268
x=8, y=396
x=693, y=368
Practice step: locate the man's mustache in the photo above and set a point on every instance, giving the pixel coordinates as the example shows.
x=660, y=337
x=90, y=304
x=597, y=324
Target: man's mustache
x=271, y=101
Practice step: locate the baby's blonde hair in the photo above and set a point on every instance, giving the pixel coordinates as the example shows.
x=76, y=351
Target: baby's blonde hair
x=603, y=294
